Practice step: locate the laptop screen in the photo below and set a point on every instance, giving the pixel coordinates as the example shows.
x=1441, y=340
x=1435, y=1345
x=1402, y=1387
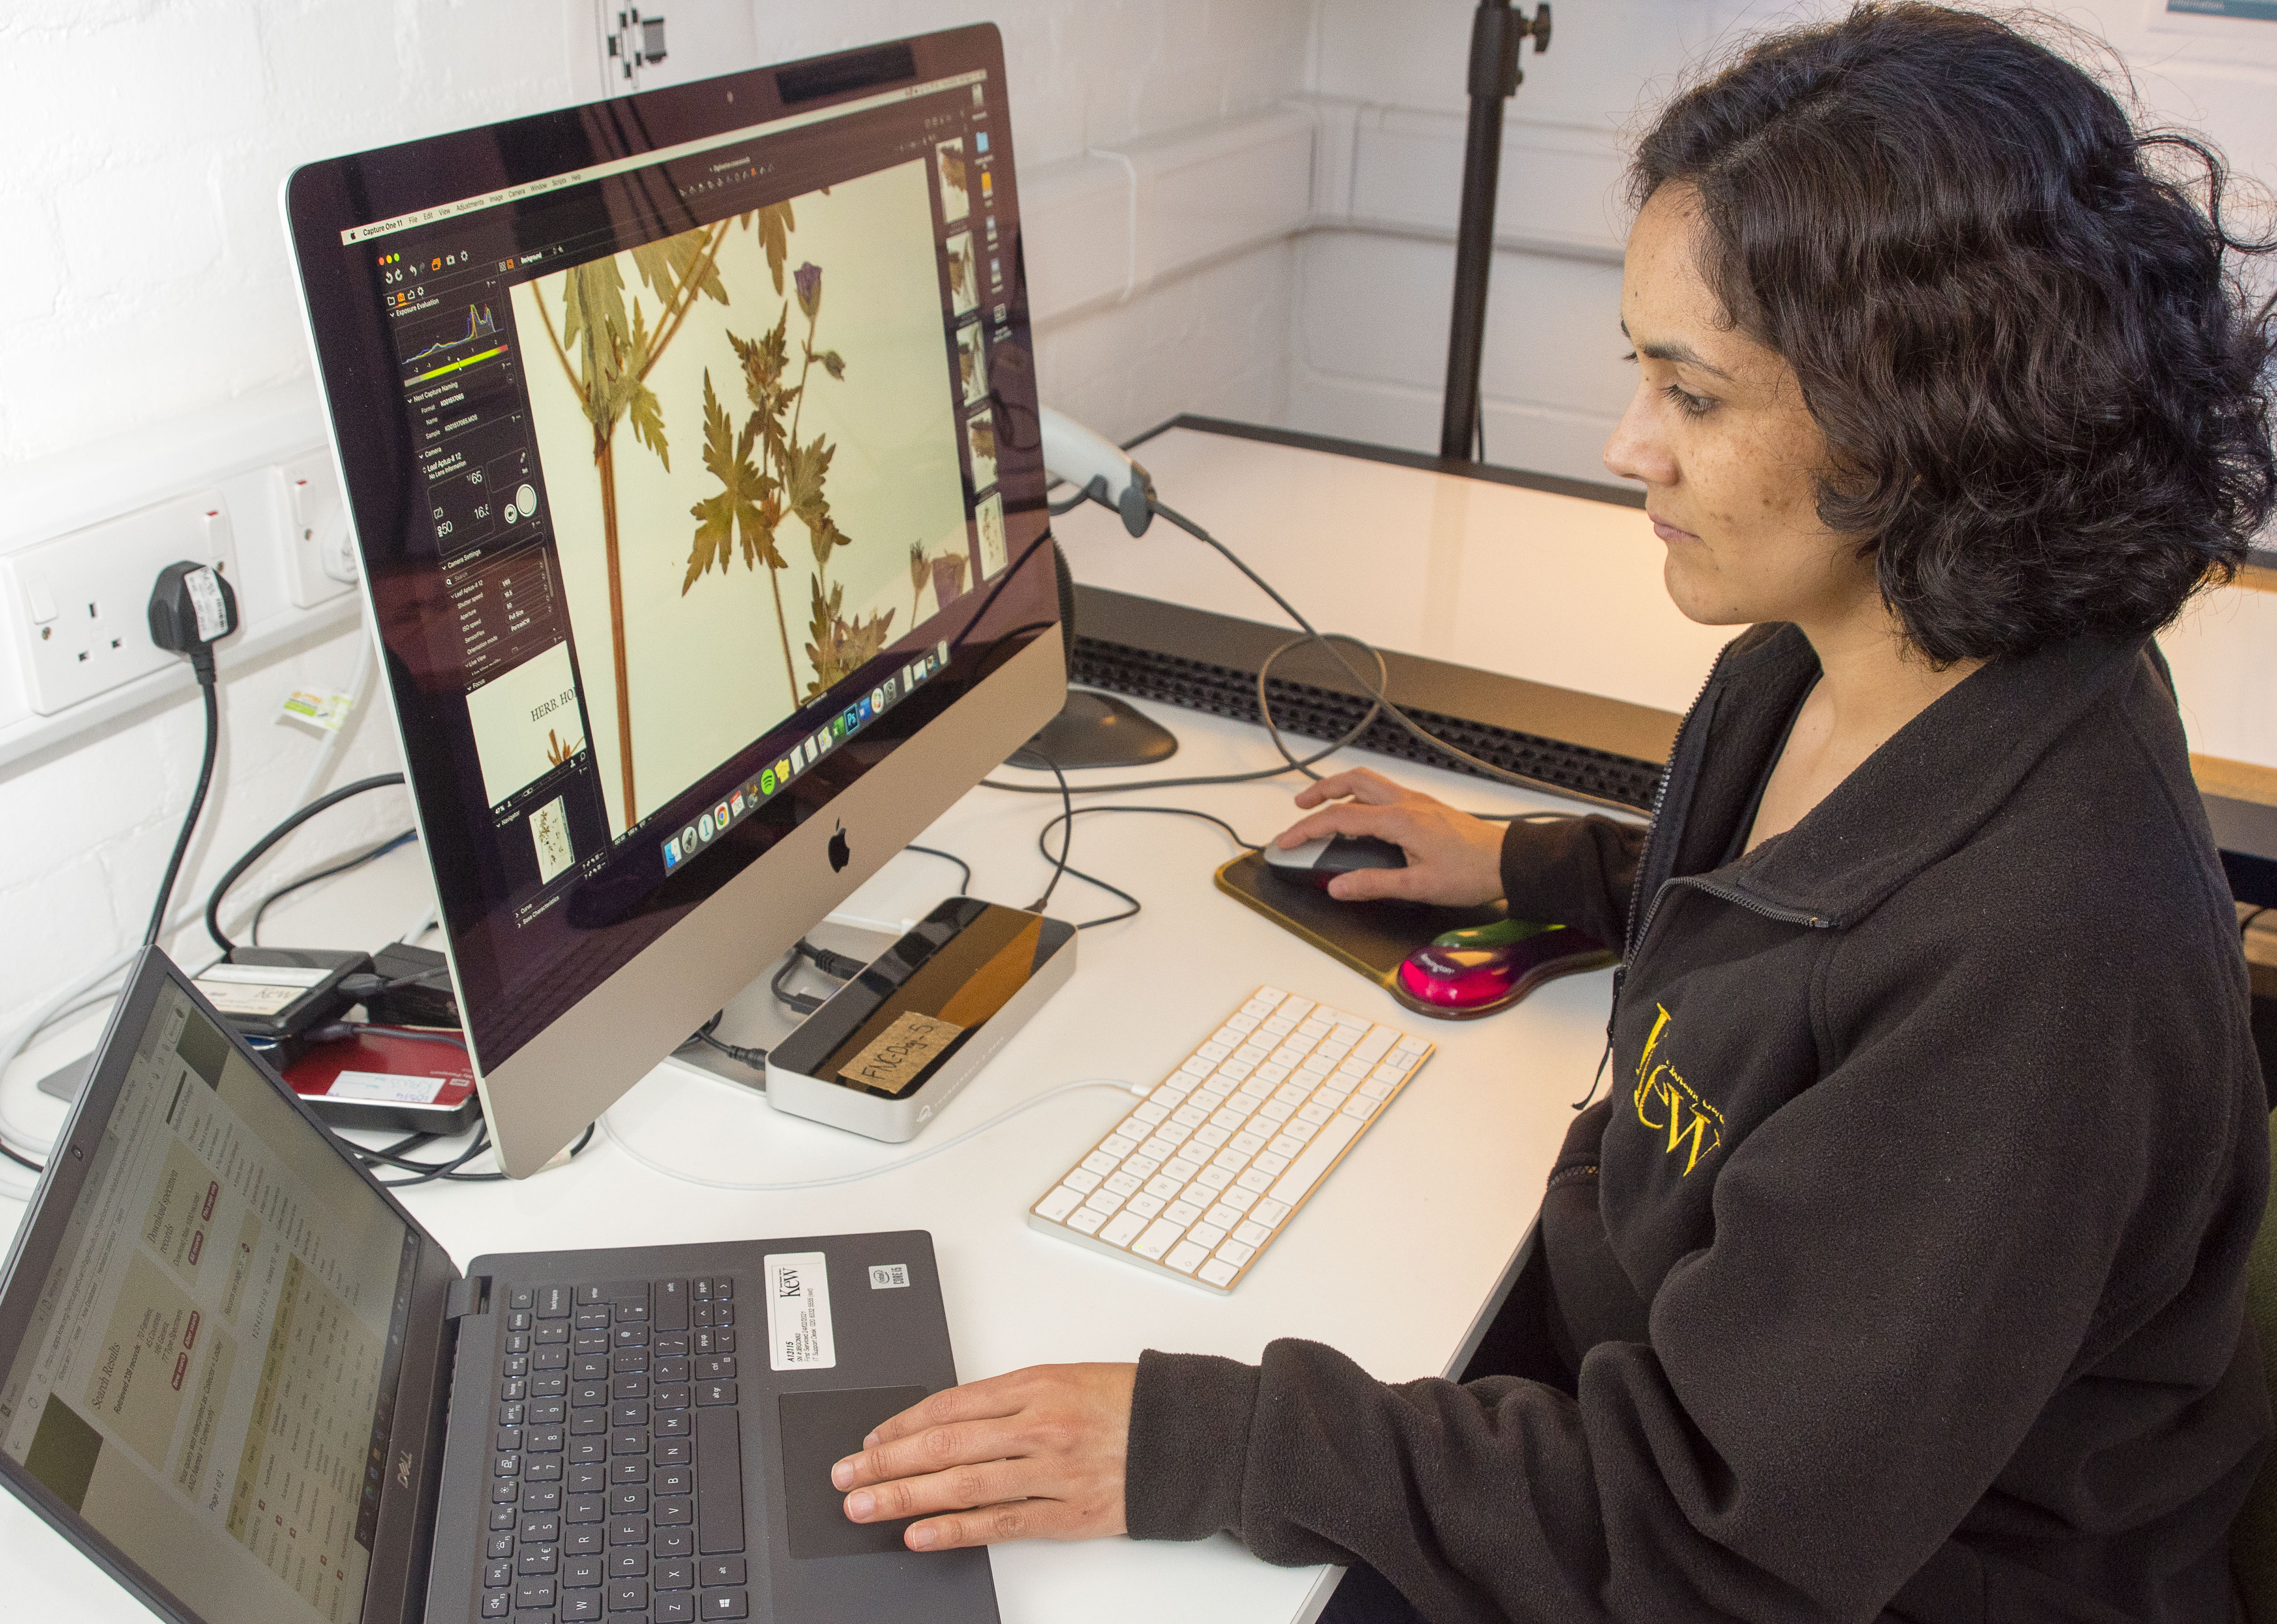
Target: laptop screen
x=208, y=1369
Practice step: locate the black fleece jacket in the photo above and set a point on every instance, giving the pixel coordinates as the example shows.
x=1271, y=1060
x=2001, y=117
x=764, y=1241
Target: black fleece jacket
x=1903, y=1269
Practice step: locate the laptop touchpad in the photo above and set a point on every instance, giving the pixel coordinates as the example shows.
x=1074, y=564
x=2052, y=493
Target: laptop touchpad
x=818, y=1431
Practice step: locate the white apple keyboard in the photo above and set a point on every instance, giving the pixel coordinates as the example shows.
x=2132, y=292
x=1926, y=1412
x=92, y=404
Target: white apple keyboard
x=1198, y=1181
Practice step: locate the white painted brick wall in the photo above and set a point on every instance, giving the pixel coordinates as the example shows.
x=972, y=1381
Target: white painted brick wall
x=144, y=280
x=146, y=274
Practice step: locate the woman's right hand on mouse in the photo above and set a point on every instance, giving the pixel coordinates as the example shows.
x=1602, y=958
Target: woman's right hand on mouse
x=1453, y=859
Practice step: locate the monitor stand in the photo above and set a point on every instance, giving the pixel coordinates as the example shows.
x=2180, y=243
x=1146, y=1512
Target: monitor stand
x=1096, y=730
x=1092, y=729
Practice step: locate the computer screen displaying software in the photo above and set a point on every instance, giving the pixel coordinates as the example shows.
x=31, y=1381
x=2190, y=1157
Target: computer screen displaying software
x=706, y=444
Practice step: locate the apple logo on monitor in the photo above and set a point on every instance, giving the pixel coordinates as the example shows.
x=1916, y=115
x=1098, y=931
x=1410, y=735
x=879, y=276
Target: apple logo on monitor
x=840, y=853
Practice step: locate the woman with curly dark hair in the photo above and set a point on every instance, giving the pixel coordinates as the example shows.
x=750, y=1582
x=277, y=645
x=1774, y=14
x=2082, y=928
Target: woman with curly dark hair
x=1902, y=1275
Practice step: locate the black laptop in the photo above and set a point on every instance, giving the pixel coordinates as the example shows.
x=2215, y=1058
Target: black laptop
x=238, y=1375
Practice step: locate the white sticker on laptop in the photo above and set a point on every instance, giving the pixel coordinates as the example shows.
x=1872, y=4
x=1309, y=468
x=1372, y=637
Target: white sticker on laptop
x=888, y=1276
x=798, y=1312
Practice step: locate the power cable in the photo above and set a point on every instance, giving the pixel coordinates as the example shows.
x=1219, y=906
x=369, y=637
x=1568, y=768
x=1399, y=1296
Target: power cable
x=964, y=887
x=393, y=842
x=286, y=826
x=452, y=1171
x=1501, y=775
x=205, y=691
x=1067, y=841
x=1131, y=785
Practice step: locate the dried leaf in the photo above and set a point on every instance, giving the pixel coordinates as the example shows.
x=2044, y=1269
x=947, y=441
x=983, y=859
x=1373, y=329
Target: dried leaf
x=764, y=360
x=738, y=505
x=771, y=518
x=864, y=641
x=837, y=649
x=625, y=392
x=648, y=423
x=805, y=470
x=821, y=630
x=668, y=263
x=593, y=326
x=776, y=224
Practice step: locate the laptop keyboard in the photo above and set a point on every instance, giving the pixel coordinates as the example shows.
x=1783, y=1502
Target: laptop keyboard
x=616, y=1489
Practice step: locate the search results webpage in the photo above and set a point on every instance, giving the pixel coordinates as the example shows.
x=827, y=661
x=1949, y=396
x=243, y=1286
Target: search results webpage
x=202, y=1379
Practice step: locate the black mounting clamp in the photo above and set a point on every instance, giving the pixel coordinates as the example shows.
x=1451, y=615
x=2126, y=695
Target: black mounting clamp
x=1497, y=30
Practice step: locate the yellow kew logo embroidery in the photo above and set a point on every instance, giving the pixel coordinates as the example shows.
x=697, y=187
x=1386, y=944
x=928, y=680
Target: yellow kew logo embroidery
x=1667, y=1103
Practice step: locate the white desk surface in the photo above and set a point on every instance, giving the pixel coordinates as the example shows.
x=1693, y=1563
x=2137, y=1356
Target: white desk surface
x=1393, y=1262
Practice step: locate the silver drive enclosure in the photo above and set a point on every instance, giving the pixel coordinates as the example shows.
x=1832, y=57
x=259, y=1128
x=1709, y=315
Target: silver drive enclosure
x=893, y=1045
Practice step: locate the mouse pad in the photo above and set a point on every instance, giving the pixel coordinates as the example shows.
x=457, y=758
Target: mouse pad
x=818, y=1431
x=1371, y=937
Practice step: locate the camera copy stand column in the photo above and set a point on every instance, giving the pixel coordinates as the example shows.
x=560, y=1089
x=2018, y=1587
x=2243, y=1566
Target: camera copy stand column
x=1496, y=33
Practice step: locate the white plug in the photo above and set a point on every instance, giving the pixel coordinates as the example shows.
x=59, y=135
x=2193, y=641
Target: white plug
x=1099, y=468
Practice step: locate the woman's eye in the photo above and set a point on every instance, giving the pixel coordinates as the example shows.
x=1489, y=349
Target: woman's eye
x=1685, y=401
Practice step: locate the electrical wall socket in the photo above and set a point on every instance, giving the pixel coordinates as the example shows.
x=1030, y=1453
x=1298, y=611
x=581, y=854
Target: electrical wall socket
x=78, y=607
x=320, y=553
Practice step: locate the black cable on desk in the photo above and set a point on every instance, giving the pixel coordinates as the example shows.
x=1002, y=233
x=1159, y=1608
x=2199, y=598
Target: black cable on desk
x=1107, y=887
x=1235, y=835
x=964, y=886
x=424, y=1172
x=1067, y=841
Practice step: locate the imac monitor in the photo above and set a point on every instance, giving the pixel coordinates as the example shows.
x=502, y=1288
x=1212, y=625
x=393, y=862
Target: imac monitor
x=690, y=439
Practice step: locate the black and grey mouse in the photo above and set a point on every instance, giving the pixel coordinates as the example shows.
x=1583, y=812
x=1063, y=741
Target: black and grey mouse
x=1316, y=862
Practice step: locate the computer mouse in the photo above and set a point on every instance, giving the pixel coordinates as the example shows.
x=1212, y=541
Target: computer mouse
x=1316, y=862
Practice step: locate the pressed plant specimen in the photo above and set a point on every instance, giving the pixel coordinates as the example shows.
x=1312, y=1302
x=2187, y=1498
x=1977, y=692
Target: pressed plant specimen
x=616, y=349
x=787, y=478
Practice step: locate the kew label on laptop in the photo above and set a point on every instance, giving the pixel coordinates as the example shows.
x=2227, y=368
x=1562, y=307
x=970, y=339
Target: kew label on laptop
x=798, y=1312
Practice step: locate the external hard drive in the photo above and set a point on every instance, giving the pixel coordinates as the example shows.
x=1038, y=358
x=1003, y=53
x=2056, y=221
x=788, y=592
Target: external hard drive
x=893, y=1045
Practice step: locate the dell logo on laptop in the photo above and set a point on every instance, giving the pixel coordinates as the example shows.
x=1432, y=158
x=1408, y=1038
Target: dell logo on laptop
x=403, y=1470
x=840, y=853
